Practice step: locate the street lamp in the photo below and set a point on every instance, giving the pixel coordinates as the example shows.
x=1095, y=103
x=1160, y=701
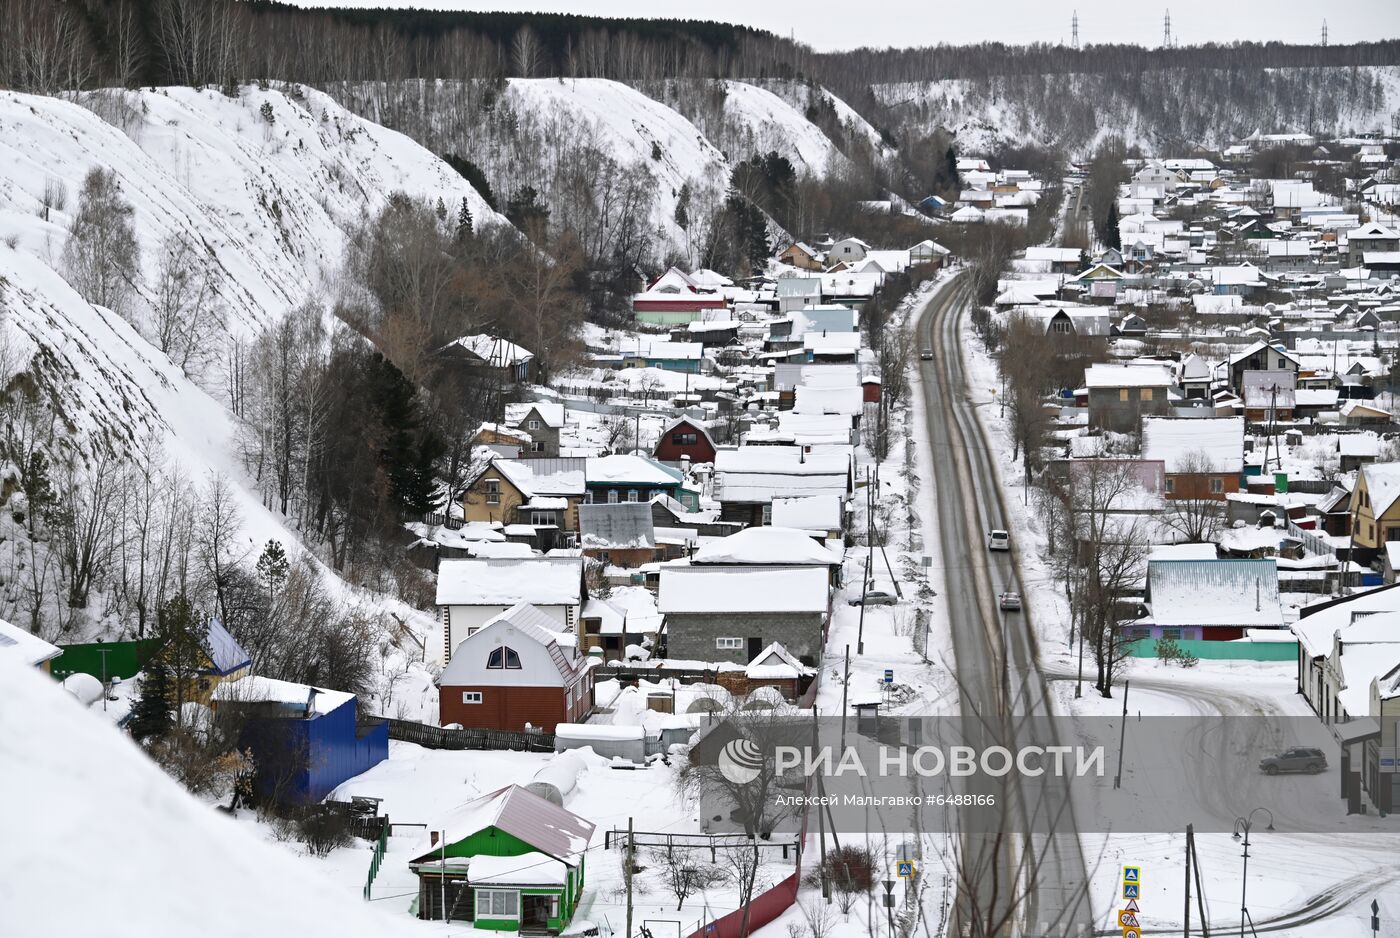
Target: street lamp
x=1244, y=825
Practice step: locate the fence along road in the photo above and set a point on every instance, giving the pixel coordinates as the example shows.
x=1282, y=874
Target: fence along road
x=1010, y=883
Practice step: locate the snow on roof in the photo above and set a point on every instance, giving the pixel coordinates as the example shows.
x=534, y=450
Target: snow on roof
x=625, y=469
x=496, y=352
x=780, y=459
x=831, y=341
x=1054, y=255
x=775, y=663
x=1243, y=275
x=765, y=545
x=256, y=689
x=506, y=581
x=739, y=590
x=1127, y=376
x=1382, y=485
x=1319, y=622
x=623, y=526
x=550, y=829
x=1364, y=443
x=600, y=731
x=662, y=349
x=551, y=413
x=1367, y=407
x=527, y=869
x=559, y=476
x=846, y=401
x=73, y=787
x=1207, y=304
x=1258, y=347
x=525, y=620
x=612, y=619
x=1214, y=592
x=24, y=646
x=809, y=513
x=1182, y=552
x=1214, y=444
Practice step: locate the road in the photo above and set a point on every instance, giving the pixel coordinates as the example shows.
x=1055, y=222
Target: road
x=1010, y=884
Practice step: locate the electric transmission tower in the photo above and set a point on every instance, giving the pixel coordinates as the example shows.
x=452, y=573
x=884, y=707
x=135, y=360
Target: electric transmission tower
x=1324, y=33
x=1074, y=30
x=1167, y=30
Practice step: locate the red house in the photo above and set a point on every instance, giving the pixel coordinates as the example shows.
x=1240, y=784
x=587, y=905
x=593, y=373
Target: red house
x=516, y=669
x=685, y=437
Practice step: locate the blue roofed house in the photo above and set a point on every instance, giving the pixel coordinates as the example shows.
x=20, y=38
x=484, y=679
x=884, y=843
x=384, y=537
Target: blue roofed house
x=305, y=740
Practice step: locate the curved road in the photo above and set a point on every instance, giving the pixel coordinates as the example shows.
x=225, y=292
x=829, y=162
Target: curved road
x=1009, y=883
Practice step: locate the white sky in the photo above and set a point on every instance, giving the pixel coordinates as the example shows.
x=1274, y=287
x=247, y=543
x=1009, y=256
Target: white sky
x=881, y=23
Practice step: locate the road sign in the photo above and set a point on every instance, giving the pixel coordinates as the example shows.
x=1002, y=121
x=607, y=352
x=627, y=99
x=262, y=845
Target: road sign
x=1128, y=919
x=889, y=885
x=1130, y=890
x=1132, y=906
x=889, y=676
x=1375, y=917
x=1131, y=933
x=1132, y=874
x=906, y=868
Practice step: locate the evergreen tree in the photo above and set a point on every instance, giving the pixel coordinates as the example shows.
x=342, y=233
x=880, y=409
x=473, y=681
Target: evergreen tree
x=950, y=168
x=683, y=207
x=183, y=633
x=1109, y=235
x=151, y=716
x=472, y=174
x=464, y=221
x=406, y=452
x=273, y=567
x=440, y=210
x=525, y=211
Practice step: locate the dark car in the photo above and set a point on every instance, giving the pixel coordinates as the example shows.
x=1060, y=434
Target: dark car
x=1296, y=759
x=875, y=598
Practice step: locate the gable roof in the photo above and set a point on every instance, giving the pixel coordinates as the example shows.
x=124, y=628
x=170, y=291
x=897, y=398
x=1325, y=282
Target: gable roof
x=558, y=476
x=506, y=581
x=1261, y=346
x=525, y=620
x=301, y=700
x=773, y=663
x=1127, y=376
x=628, y=469
x=765, y=545
x=1382, y=485
x=551, y=413
x=225, y=654
x=691, y=422
x=492, y=350
x=550, y=829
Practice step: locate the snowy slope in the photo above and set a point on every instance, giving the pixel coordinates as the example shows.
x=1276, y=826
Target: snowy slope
x=77, y=791
x=1202, y=106
x=853, y=123
x=272, y=202
x=755, y=120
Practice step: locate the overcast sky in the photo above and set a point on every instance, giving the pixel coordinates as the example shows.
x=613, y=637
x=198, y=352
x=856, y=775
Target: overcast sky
x=826, y=24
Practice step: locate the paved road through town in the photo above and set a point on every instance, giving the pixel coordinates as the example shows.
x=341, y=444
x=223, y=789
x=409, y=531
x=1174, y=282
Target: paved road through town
x=1010, y=884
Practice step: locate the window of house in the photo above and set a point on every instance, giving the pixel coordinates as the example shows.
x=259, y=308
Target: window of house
x=588, y=498
x=612, y=496
x=541, y=518
x=1392, y=534
x=768, y=513
x=1171, y=486
x=532, y=425
x=1145, y=394
x=1061, y=326
x=1217, y=486
x=1122, y=394
x=729, y=644
x=1135, y=635
x=684, y=439
x=1174, y=634
x=633, y=495
x=497, y=903
x=471, y=696
x=503, y=657
x=537, y=446
x=493, y=491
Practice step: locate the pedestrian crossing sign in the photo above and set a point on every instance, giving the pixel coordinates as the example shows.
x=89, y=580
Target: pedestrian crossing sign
x=1132, y=874
x=1130, y=890
x=906, y=868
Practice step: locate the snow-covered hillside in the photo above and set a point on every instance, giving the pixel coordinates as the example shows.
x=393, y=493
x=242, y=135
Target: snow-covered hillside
x=1154, y=109
x=170, y=865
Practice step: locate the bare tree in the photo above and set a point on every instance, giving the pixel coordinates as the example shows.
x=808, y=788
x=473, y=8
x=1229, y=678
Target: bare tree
x=186, y=310
x=1194, y=513
x=102, y=258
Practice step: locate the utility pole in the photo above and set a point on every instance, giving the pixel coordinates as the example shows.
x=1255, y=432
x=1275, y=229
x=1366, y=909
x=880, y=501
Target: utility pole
x=1324, y=34
x=845, y=686
x=1186, y=920
x=860, y=629
x=821, y=818
x=627, y=875
x=1122, y=736
x=105, y=692
x=442, y=879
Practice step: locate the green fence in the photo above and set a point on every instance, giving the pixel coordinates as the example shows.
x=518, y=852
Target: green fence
x=123, y=659
x=1223, y=651
x=376, y=860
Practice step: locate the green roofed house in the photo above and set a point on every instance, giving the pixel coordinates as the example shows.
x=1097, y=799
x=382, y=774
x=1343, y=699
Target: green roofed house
x=509, y=860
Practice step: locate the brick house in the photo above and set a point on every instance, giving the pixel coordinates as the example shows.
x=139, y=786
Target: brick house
x=1121, y=395
x=731, y=613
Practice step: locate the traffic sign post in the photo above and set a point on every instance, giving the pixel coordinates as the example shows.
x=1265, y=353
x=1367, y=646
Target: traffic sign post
x=1375, y=917
x=906, y=868
x=889, y=676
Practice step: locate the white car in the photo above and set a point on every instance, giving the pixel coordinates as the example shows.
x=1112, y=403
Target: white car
x=999, y=540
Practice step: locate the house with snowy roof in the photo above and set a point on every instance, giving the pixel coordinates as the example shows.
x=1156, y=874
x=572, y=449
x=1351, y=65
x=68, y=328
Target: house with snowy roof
x=685, y=438
x=1375, y=510
x=725, y=612
x=25, y=647
x=541, y=421
x=508, y=860
x=801, y=255
x=1121, y=395
x=617, y=535
x=675, y=298
x=1201, y=457
x=748, y=478
x=471, y=592
x=491, y=358
x=625, y=477
x=519, y=669
x=1211, y=600
x=536, y=499
x=1373, y=237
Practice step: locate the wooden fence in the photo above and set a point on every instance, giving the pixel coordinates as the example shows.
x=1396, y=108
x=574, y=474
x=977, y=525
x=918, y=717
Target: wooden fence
x=437, y=737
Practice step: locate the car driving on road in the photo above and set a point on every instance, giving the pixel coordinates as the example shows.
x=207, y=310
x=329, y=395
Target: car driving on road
x=1009, y=602
x=874, y=598
x=998, y=540
x=927, y=354
x=1296, y=759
